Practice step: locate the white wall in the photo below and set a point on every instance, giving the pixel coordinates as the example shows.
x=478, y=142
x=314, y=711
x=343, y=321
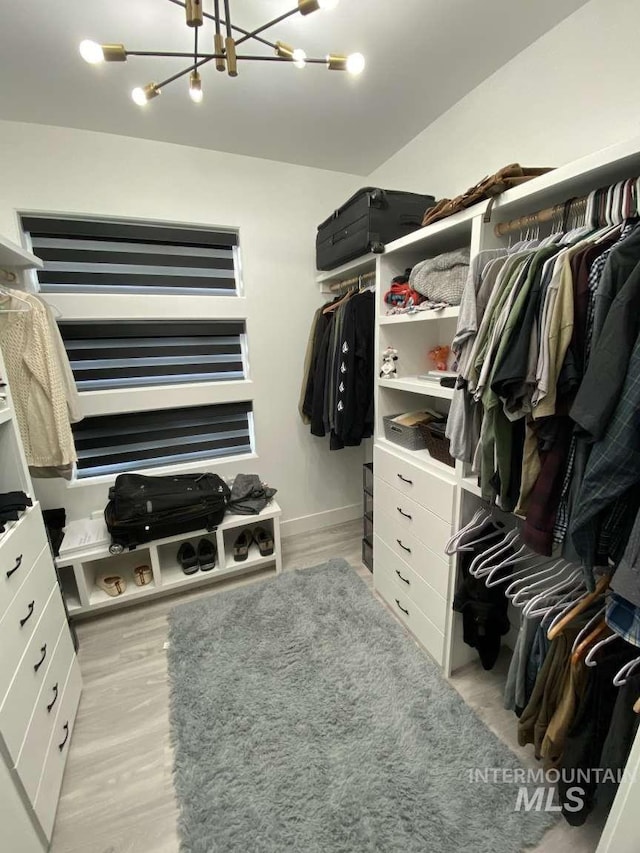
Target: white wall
x=574, y=91
x=276, y=207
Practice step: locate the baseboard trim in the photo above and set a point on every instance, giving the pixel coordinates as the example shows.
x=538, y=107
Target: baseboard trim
x=320, y=520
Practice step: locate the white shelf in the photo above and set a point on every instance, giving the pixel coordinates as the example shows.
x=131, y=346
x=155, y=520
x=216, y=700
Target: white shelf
x=272, y=510
x=172, y=576
x=470, y=484
x=98, y=596
x=420, y=317
x=453, y=228
x=5, y=414
x=417, y=386
x=15, y=257
x=254, y=559
x=366, y=263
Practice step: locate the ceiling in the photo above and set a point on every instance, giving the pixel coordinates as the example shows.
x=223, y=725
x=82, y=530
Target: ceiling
x=422, y=57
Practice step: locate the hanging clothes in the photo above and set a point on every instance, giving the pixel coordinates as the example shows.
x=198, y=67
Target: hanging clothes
x=44, y=392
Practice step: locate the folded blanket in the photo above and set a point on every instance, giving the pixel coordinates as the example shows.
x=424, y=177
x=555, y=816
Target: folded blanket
x=249, y=495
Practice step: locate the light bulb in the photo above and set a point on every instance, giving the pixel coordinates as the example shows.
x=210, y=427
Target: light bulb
x=355, y=63
x=139, y=96
x=195, y=87
x=91, y=52
x=327, y=4
x=299, y=57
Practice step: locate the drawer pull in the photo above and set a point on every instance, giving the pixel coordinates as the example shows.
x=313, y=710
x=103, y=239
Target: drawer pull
x=404, y=547
x=62, y=745
x=55, y=698
x=401, y=607
x=43, y=652
x=404, y=580
x=24, y=621
x=405, y=514
x=404, y=480
x=16, y=567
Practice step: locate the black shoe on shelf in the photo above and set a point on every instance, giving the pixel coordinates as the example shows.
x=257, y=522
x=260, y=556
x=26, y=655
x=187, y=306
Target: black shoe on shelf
x=241, y=545
x=207, y=554
x=188, y=558
x=264, y=541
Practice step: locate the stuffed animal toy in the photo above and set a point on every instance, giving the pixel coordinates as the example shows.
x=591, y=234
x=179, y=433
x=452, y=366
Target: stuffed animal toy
x=440, y=357
x=389, y=358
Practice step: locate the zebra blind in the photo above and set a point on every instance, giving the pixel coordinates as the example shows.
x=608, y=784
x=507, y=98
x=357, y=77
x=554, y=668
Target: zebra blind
x=135, y=354
x=87, y=256
x=111, y=444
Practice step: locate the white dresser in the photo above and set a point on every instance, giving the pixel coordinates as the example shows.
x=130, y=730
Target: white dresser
x=412, y=514
x=40, y=680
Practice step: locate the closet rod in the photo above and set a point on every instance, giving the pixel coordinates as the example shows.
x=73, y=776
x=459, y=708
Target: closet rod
x=548, y=214
x=349, y=282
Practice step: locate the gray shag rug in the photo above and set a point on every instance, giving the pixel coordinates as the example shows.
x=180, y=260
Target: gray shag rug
x=304, y=719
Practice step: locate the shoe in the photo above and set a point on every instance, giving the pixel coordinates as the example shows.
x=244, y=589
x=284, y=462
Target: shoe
x=207, y=553
x=142, y=575
x=188, y=558
x=264, y=541
x=113, y=585
x=241, y=545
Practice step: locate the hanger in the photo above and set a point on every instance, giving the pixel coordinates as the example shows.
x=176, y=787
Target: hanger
x=477, y=522
x=524, y=581
x=590, y=658
x=5, y=291
x=514, y=560
x=602, y=629
x=483, y=559
x=601, y=586
x=333, y=306
x=626, y=671
x=568, y=581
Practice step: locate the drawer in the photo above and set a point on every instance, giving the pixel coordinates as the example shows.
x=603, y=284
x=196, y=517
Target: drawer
x=16, y=709
x=18, y=551
x=429, y=566
x=20, y=620
x=409, y=614
x=410, y=584
x=34, y=749
x=429, y=490
x=413, y=518
x=49, y=789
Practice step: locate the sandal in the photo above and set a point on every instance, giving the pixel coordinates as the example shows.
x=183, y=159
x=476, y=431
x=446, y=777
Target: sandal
x=142, y=575
x=188, y=558
x=113, y=585
x=264, y=541
x=241, y=546
x=207, y=553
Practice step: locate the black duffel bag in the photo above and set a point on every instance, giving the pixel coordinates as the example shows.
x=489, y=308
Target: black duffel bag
x=144, y=508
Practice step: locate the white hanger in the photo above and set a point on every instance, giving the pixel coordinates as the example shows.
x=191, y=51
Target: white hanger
x=469, y=527
x=626, y=672
x=514, y=560
x=524, y=577
x=536, y=581
x=486, y=556
x=588, y=628
x=530, y=609
x=5, y=291
x=590, y=658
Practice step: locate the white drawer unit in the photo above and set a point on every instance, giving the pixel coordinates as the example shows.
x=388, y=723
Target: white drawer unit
x=31, y=674
x=19, y=548
x=21, y=618
x=34, y=750
x=405, y=608
x=405, y=528
x=430, y=490
x=411, y=584
x=46, y=802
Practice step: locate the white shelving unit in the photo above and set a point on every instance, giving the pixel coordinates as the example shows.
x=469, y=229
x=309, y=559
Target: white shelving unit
x=79, y=569
x=419, y=500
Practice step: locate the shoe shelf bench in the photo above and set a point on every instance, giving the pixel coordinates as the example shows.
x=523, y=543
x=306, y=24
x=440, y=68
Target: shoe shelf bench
x=79, y=569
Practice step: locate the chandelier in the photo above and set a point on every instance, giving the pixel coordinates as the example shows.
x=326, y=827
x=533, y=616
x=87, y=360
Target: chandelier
x=225, y=46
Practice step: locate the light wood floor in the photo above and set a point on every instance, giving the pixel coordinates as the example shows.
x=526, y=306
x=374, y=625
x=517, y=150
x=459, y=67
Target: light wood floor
x=118, y=794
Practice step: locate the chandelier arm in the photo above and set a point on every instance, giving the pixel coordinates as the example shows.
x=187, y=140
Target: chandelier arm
x=266, y=26
x=233, y=26
x=227, y=15
x=216, y=15
x=173, y=54
x=195, y=48
x=280, y=59
x=187, y=70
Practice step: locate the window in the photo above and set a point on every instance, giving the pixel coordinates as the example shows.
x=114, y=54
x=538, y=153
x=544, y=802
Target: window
x=130, y=354
x=111, y=444
x=160, y=377
x=83, y=256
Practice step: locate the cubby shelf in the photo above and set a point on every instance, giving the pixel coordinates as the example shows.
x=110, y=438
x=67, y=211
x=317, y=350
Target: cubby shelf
x=5, y=414
x=420, y=317
x=417, y=386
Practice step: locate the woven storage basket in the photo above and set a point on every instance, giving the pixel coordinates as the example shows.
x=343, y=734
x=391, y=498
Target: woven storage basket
x=437, y=444
x=409, y=437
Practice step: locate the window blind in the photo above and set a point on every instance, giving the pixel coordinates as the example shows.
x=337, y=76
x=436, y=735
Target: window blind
x=85, y=256
x=117, y=443
x=135, y=354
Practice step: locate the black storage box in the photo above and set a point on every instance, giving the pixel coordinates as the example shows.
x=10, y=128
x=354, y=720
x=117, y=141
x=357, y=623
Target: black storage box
x=371, y=218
